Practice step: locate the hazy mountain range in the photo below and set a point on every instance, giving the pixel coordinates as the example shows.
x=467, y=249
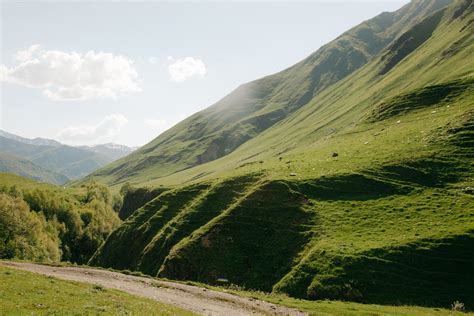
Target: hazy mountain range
x=50, y=161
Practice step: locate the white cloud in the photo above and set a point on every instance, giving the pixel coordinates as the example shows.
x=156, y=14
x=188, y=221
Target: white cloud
x=3, y=73
x=73, y=76
x=24, y=55
x=104, y=131
x=185, y=68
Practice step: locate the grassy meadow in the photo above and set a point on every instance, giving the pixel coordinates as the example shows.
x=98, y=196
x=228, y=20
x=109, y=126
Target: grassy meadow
x=29, y=293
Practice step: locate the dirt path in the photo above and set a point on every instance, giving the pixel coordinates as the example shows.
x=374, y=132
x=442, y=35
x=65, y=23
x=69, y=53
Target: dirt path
x=192, y=298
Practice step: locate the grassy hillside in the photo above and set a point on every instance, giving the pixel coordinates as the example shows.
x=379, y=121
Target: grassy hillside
x=43, y=222
x=256, y=106
x=362, y=193
x=25, y=168
x=30, y=293
x=135, y=197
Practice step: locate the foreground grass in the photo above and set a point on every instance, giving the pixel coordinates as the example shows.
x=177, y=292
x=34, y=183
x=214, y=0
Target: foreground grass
x=29, y=293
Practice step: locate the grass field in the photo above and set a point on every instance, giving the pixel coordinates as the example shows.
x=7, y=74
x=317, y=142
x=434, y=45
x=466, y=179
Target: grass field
x=24, y=293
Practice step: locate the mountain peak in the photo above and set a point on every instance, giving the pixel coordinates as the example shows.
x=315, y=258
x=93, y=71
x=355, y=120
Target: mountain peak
x=38, y=141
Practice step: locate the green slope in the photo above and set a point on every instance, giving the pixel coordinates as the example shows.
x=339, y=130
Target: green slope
x=328, y=122
x=363, y=193
x=25, y=168
x=256, y=106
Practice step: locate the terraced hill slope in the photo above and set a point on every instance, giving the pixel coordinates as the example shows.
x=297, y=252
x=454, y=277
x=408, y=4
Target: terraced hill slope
x=363, y=193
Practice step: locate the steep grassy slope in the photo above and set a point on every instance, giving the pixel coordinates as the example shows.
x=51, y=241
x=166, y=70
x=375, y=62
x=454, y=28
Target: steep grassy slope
x=25, y=168
x=405, y=228
x=340, y=117
x=256, y=106
x=364, y=193
x=134, y=198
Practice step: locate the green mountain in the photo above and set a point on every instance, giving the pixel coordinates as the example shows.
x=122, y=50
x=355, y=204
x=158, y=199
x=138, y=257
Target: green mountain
x=346, y=176
x=36, y=141
x=256, y=106
x=50, y=161
x=25, y=168
x=70, y=161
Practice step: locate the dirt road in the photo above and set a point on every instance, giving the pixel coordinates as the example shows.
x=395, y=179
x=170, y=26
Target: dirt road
x=192, y=298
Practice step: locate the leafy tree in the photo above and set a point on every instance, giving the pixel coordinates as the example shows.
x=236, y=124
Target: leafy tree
x=62, y=226
x=25, y=234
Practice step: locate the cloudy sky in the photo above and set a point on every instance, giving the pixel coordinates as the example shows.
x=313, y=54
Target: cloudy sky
x=123, y=72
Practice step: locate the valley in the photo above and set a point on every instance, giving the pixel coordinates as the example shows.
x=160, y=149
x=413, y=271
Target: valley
x=343, y=184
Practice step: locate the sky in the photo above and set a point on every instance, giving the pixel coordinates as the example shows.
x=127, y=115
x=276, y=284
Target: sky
x=95, y=72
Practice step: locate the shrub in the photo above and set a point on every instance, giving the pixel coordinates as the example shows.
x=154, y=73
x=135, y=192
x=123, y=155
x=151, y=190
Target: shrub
x=458, y=306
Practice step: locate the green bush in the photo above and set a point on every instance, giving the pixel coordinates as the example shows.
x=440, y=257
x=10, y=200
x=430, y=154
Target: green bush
x=47, y=224
x=25, y=234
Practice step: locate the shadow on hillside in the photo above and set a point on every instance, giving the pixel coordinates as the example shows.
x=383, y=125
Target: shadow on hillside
x=253, y=245
x=428, y=273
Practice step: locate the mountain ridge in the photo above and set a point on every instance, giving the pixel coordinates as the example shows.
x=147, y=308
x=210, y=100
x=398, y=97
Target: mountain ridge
x=26, y=168
x=255, y=106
